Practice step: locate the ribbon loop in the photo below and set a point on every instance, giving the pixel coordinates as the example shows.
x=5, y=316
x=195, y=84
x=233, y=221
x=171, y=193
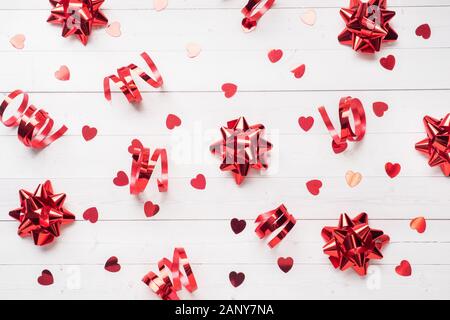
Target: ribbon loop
x=34, y=125
x=253, y=12
x=273, y=220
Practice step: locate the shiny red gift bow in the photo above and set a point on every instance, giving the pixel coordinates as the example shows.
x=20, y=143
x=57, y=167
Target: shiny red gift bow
x=346, y=105
x=126, y=82
x=143, y=165
x=162, y=285
x=271, y=221
x=252, y=13
x=34, y=125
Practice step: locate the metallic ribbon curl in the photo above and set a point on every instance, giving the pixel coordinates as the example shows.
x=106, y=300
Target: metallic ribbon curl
x=166, y=288
x=271, y=221
x=353, y=243
x=346, y=105
x=143, y=165
x=437, y=143
x=77, y=17
x=367, y=25
x=241, y=148
x=252, y=13
x=34, y=125
x=41, y=214
x=126, y=82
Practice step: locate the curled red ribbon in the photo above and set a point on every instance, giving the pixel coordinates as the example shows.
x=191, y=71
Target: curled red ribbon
x=34, y=125
x=437, y=143
x=41, y=214
x=270, y=221
x=353, y=243
x=143, y=165
x=166, y=288
x=252, y=13
x=126, y=82
x=346, y=105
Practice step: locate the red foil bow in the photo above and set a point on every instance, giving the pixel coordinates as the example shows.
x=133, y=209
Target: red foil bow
x=367, y=25
x=253, y=11
x=346, y=105
x=241, y=148
x=437, y=143
x=353, y=243
x=273, y=220
x=142, y=166
x=41, y=214
x=34, y=125
x=77, y=17
x=166, y=288
x=126, y=82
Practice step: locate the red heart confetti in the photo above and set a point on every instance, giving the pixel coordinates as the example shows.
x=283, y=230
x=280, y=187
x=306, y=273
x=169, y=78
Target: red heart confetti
x=112, y=264
x=150, y=209
x=419, y=224
x=306, y=123
x=275, y=55
x=392, y=169
x=388, y=62
x=89, y=133
x=135, y=144
x=423, y=31
x=379, y=108
x=46, y=278
x=63, y=74
x=229, y=89
x=404, y=269
x=285, y=264
x=199, y=182
x=236, y=278
x=299, y=71
x=121, y=179
x=237, y=225
x=91, y=215
x=339, y=148
x=314, y=186
x=172, y=121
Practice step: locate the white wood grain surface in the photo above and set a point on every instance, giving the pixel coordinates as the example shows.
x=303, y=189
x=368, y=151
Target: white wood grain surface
x=268, y=94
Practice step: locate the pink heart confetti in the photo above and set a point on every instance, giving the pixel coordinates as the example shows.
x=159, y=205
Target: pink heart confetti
x=63, y=73
x=18, y=41
x=114, y=29
x=309, y=17
x=193, y=49
x=159, y=5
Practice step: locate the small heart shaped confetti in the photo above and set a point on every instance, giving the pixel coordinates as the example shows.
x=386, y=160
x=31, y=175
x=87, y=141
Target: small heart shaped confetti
x=135, y=144
x=353, y=178
x=63, y=73
x=193, y=49
x=379, y=108
x=339, y=148
x=299, y=71
x=306, y=123
x=309, y=17
x=388, y=62
x=275, y=55
x=159, y=5
x=114, y=29
x=392, y=169
x=112, y=264
x=314, y=186
x=285, y=264
x=404, y=269
x=236, y=278
x=150, y=209
x=91, y=215
x=18, y=41
x=424, y=31
x=229, y=89
x=419, y=224
x=237, y=225
x=121, y=179
x=89, y=133
x=46, y=278
x=172, y=121
x=199, y=182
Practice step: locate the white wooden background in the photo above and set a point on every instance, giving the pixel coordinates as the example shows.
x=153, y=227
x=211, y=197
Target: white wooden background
x=268, y=94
